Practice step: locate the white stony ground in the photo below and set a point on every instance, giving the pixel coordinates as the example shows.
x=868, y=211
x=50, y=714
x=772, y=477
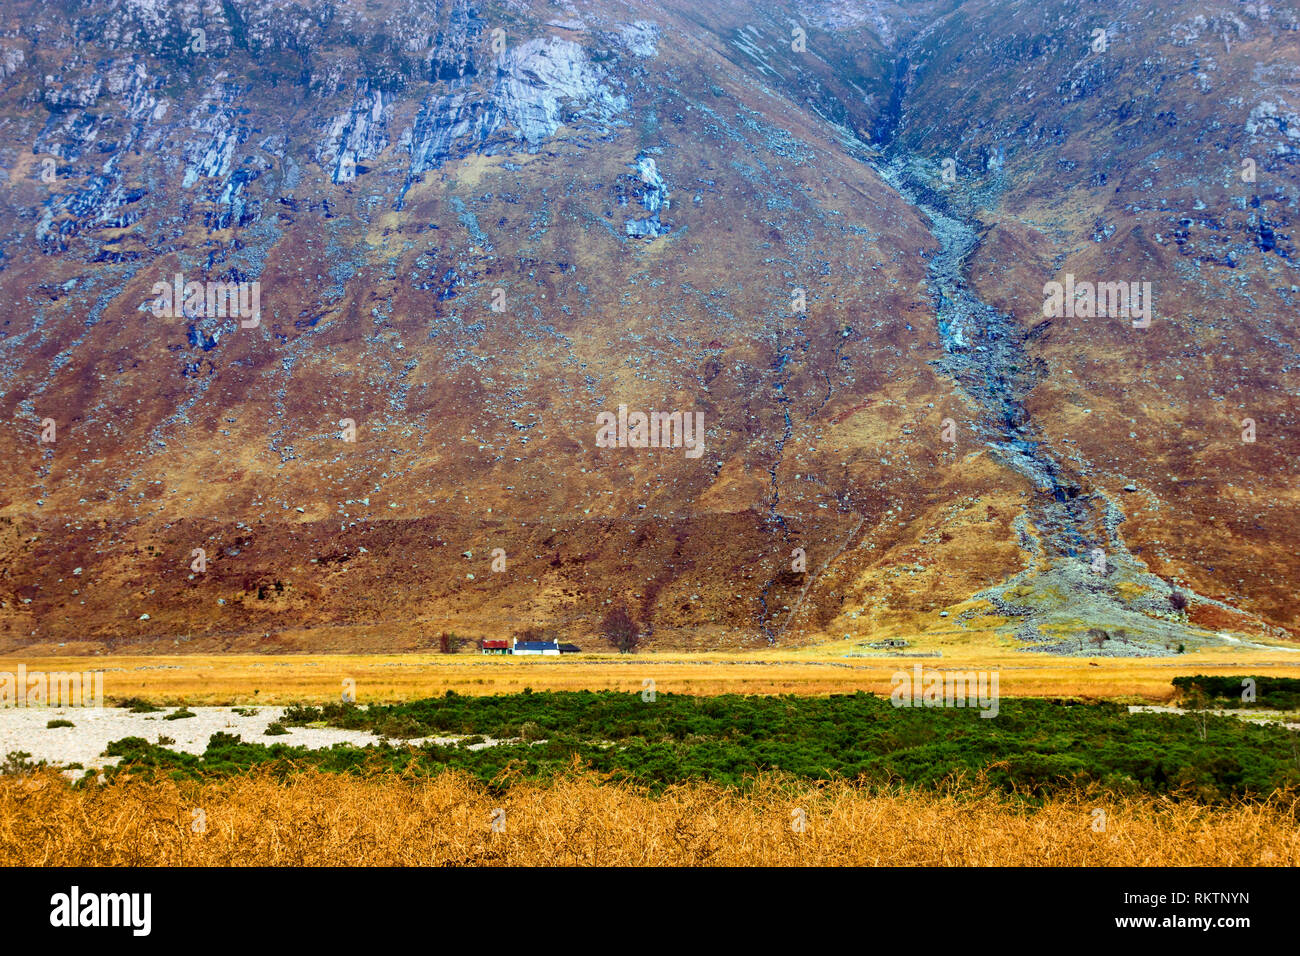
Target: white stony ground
x=24, y=729
x=1250, y=716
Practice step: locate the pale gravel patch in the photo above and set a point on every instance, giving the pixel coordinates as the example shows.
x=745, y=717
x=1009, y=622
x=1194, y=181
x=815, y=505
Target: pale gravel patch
x=23, y=729
x=1262, y=717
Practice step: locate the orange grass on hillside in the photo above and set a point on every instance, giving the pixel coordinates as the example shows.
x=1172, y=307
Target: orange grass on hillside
x=321, y=819
x=383, y=678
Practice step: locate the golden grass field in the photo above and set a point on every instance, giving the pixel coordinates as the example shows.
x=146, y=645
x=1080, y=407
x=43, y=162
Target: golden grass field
x=321, y=819
x=822, y=669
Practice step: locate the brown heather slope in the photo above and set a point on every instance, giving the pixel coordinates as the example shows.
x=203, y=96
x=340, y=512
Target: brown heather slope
x=365, y=166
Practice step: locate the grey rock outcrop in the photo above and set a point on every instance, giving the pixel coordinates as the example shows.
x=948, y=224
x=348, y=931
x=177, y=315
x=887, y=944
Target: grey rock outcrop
x=537, y=77
x=541, y=85
x=355, y=135
x=652, y=193
x=638, y=38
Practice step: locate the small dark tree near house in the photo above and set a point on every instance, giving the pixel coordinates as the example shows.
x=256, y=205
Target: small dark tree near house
x=1097, y=637
x=448, y=643
x=620, y=630
x=1178, y=601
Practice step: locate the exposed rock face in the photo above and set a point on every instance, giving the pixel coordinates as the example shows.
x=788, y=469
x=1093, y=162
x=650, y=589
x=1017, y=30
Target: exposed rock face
x=540, y=85
x=10, y=60
x=211, y=157
x=653, y=196
x=638, y=38
x=443, y=207
x=450, y=122
x=540, y=77
x=1275, y=129
x=357, y=135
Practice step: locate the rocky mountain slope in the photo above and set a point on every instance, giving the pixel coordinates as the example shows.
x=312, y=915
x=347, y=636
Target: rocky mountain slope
x=457, y=233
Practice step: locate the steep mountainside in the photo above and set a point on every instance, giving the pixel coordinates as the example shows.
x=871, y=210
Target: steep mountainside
x=457, y=233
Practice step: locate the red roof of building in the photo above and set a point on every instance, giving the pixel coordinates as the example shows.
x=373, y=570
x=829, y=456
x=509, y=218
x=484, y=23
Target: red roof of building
x=495, y=644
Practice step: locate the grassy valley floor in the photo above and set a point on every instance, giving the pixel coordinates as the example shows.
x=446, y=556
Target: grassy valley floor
x=787, y=757
x=822, y=669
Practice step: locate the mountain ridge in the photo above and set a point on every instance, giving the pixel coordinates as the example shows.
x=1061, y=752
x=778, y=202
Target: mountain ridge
x=648, y=196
